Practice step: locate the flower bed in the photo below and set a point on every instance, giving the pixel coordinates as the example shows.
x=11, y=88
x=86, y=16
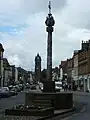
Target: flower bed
x=32, y=110
x=23, y=107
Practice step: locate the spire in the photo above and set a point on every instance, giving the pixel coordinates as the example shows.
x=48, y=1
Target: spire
x=37, y=54
x=49, y=6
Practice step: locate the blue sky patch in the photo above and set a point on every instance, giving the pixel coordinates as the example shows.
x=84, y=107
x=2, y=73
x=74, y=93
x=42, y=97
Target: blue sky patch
x=10, y=29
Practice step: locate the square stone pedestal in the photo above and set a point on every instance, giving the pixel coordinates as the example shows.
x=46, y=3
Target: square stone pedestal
x=58, y=100
x=48, y=86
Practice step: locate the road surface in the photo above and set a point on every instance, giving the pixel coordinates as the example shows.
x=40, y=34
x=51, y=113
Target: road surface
x=83, y=114
x=9, y=102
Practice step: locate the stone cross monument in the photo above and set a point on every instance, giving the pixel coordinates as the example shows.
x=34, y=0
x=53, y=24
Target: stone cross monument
x=49, y=85
x=49, y=23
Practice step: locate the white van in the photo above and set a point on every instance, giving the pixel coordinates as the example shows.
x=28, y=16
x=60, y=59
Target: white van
x=58, y=86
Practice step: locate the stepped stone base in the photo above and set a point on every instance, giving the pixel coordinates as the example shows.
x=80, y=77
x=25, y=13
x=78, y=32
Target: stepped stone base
x=58, y=100
x=31, y=112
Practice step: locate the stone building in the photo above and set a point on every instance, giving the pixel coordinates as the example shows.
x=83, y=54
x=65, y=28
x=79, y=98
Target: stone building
x=70, y=71
x=1, y=64
x=64, y=66
x=6, y=70
x=63, y=70
x=12, y=74
x=37, y=68
x=75, y=67
x=85, y=45
x=55, y=74
x=16, y=75
x=84, y=65
x=30, y=77
x=84, y=69
x=22, y=75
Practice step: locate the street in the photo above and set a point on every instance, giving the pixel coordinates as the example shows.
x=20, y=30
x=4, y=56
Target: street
x=83, y=114
x=9, y=102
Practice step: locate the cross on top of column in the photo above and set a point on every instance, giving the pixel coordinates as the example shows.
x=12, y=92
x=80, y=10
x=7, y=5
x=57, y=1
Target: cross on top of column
x=49, y=6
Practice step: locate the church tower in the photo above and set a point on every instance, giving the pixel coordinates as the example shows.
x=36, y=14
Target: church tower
x=37, y=68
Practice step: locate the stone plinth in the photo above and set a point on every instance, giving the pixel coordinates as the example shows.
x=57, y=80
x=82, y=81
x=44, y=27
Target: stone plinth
x=58, y=100
x=48, y=86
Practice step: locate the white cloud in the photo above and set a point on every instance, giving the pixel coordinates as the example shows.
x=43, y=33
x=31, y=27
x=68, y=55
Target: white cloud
x=29, y=33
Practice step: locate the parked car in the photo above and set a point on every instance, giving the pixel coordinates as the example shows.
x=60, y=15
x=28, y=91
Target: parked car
x=58, y=86
x=4, y=92
x=27, y=85
x=21, y=86
x=10, y=87
x=13, y=91
x=17, y=87
x=33, y=87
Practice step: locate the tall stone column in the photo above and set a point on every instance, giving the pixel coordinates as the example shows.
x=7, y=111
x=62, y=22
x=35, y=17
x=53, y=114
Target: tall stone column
x=49, y=85
x=49, y=23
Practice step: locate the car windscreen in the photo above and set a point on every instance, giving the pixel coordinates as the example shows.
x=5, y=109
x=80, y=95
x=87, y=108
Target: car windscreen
x=59, y=85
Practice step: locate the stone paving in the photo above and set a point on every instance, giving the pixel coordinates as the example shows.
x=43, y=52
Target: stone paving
x=18, y=117
x=81, y=93
x=7, y=117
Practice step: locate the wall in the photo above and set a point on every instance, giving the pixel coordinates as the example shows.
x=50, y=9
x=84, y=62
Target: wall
x=6, y=75
x=75, y=77
x=84, y=69
x=16, y=74
x=70, y=68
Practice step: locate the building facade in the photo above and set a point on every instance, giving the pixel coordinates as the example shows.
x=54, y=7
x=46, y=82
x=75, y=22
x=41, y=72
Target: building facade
x=16, y=74
x=11, y=80
x=30, y=77
x=22, y=75
x=84, y=69
x=55, y=74
x=6, y=71
x=75, y=68
x=63, y=68
x=1, y=65
x=70, y=71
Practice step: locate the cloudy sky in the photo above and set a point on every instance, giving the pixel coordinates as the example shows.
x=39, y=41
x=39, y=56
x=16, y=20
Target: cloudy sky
x=22, y=29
